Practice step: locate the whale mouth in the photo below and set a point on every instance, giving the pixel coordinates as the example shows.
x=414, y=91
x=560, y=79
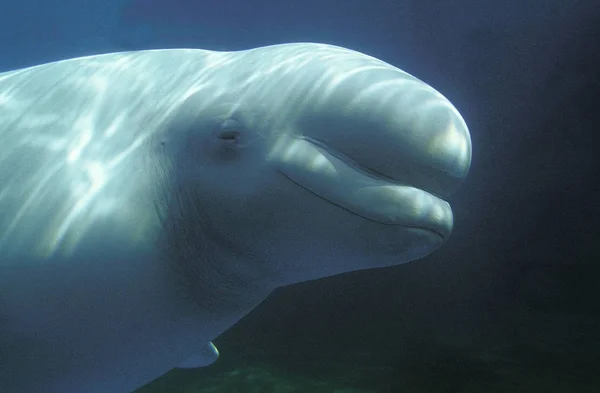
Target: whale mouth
x=359, y=190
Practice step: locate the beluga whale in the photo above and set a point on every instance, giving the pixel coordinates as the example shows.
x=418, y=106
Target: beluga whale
x=151, y=199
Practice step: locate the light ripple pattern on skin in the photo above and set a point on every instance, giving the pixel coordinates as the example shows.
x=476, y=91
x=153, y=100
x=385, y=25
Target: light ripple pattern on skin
x=151, y=199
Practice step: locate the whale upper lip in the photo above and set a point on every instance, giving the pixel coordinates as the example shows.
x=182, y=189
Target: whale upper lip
x=359, y=190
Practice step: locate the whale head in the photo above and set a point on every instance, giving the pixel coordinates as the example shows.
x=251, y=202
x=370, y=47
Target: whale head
x=317, y=160
x=151, y=199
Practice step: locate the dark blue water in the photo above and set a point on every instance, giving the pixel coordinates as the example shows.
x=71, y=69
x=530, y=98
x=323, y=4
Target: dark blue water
x=511, y=303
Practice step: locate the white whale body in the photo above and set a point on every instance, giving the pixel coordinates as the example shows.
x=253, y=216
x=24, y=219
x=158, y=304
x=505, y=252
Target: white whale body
x=149, y=200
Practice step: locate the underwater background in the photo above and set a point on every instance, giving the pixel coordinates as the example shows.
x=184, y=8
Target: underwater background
x=512, y=302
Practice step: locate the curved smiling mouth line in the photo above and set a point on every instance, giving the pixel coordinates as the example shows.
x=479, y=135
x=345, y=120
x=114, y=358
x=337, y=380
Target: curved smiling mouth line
x=350, y=162
x=346, y=184
x=381, y=222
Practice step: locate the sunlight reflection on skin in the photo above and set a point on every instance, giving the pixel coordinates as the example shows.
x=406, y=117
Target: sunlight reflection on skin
x=66, y=128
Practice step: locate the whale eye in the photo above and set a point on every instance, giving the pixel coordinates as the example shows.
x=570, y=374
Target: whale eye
x=228, y=138
x=229, y=133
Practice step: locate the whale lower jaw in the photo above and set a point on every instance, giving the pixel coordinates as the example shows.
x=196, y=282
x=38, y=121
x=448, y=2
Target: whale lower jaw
x=315, y=169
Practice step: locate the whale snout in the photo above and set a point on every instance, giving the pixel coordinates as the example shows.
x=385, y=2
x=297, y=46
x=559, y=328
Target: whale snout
x=394, y=126
x=428, y=140
x=406, y=131
x=385, y=146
